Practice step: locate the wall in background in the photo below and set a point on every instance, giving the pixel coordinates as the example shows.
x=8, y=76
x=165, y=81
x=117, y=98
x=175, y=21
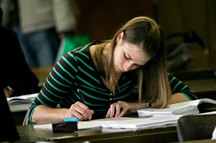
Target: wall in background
x=198, y=15
x=100, y=19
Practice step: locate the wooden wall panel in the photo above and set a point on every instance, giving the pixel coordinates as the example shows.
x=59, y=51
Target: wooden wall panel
x=101, y=18
x=198, y=15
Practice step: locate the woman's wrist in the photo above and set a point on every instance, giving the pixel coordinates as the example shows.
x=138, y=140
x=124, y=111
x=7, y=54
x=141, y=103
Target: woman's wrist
x=136, y=106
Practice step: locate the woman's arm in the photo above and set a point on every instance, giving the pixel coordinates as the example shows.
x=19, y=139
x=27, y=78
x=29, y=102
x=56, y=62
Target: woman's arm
x=121, y=108
x=44, y=114
x=180, y=91
x=178, y=97
x=56, y=87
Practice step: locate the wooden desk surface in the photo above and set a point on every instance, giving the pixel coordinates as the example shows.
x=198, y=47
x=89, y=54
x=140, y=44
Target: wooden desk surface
x=160, y=134
x=204, y=88
x=41, y=73
x=201, y=85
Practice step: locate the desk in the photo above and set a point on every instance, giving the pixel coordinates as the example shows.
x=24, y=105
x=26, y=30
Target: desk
x=41, y=73
x=153, y=135
x=194, y=74
x=204, y=88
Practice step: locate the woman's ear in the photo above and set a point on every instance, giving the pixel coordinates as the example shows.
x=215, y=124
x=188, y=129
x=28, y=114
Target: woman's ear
x=120, y=37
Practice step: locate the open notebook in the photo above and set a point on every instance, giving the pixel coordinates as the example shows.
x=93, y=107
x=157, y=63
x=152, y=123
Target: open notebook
x=123, y=122
x=182, y=108
x=23, y=99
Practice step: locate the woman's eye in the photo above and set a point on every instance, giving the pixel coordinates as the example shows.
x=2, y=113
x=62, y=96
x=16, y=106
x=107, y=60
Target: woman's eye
x=137, y=65
x=126, y=57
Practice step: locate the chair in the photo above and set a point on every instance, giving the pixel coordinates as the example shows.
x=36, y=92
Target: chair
x=196, y=127
x=26, y=119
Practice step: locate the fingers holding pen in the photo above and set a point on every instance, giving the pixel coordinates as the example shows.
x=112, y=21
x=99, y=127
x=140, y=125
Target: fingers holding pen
x=81, y=111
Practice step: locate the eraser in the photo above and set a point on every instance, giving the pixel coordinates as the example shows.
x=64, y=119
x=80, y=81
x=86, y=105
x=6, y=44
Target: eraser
x=70, y=119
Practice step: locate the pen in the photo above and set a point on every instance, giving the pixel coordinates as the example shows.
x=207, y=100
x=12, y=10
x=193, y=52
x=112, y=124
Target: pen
x=82, y=98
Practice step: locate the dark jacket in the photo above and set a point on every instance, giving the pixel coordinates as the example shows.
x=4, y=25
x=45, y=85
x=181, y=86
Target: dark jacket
x=14, y=70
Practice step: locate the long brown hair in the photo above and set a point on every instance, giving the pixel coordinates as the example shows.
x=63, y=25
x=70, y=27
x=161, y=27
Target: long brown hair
x=152, y=77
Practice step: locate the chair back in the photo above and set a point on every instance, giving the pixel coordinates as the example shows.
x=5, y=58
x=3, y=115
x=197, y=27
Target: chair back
x=196, y=127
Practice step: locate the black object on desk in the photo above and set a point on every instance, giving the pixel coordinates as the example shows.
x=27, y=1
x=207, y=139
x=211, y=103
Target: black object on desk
x=67, y=127
x=9, y=132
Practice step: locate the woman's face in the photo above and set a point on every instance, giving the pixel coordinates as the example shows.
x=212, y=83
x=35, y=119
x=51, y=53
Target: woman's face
x=128, y=56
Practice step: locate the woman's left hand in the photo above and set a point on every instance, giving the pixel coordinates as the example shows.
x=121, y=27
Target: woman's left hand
x=117, y=109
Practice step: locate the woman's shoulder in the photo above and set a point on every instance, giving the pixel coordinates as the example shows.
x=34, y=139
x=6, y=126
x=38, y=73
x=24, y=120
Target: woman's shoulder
x=80, y=53
x=84, y=49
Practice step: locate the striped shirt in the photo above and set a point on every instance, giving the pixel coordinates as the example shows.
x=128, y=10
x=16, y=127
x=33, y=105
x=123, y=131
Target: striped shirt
x=76, y=71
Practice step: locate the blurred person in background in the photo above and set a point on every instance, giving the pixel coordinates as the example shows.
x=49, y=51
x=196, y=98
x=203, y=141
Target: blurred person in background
x=40, y=25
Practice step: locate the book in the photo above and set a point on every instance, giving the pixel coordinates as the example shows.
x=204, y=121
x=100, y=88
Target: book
x=122, y=123
x=23, y=99
x=182, y=108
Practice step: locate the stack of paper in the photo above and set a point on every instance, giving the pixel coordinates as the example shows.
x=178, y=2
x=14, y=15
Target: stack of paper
x=182, y=108
x=137, y=123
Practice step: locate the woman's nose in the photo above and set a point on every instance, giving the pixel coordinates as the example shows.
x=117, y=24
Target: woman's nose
x=127, y=66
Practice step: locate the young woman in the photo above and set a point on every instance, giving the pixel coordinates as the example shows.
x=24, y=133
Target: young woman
x=97, y=80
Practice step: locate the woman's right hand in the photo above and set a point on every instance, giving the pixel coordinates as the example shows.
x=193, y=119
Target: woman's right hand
x=79, y=110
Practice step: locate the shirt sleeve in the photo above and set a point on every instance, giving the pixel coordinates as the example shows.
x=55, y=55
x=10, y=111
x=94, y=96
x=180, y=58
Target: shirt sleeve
x=58, y=83
x=178, y=87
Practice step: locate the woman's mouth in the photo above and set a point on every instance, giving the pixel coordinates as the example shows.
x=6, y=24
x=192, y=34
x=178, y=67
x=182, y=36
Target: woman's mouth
x=120, y=70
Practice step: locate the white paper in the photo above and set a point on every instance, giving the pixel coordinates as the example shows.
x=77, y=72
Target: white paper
x=143, y=122
x=85, y=124
x=123, y=122
x=23, y=99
